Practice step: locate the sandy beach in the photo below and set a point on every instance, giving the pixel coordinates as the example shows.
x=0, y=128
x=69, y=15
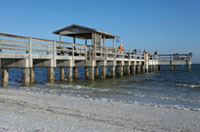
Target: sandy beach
x=23, y=111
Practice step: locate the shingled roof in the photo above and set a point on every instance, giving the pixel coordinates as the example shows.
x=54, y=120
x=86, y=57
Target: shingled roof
x=81, y=32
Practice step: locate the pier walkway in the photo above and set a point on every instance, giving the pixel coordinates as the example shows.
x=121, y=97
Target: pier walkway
x=29, y=52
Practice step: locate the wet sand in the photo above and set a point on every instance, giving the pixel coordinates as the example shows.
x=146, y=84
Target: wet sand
x=22, y=110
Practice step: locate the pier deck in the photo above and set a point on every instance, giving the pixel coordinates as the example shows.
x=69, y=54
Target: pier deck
x=28, y=53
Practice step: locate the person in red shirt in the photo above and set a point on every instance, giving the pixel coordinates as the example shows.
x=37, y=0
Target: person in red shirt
x=120, y=48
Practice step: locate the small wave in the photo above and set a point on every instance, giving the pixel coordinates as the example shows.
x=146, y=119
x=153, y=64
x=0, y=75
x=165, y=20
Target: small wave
x=179, y=107
x=189, y=85
x=77, y=87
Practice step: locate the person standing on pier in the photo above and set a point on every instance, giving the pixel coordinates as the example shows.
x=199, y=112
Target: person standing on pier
x=120, y=48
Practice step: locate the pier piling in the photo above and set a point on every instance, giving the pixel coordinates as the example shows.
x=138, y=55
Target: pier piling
x=75, y=70
x=103, y=71
x=96, y=71
x=50, y=74
x=189, y=67
x=91, y=72
x=70, y=73
x=139, y=68
x=62, y=73
x=120, y=70
x=26, y=77
x=112, y=68
x=133, y=69
x=127, y=70
x=32, y=75
x=4, y=77
x=172, y=68
x=142, y=68
x=86, y=72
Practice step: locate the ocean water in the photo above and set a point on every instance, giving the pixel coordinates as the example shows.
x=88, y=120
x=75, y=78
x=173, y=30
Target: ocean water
x=179, y=89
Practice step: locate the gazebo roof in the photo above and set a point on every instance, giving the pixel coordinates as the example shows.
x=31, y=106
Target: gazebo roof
x=81, y=32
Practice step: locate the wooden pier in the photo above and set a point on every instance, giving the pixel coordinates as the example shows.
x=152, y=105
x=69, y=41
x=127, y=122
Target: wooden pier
x=94, y=54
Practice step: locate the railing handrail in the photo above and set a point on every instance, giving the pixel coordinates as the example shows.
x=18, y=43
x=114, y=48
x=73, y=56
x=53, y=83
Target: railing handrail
x=38, y=39
x=92, y=50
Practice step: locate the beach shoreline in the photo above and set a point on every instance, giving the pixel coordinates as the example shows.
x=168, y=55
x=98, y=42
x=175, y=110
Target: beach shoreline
x=22, y=110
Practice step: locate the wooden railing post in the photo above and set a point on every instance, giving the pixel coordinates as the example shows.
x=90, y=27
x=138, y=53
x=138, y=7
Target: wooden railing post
x=86, y=52
x=30, y=52
x=106, y=53
x=54, y=53
x=28, y=45
x=0, y=46
x=72, y=50
x=47, y=50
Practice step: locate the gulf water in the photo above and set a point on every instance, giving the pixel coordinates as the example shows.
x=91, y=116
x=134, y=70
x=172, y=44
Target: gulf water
x=179, y=89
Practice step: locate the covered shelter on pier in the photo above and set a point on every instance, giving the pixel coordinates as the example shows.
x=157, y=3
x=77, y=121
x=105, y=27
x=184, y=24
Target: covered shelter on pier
x=81, y=32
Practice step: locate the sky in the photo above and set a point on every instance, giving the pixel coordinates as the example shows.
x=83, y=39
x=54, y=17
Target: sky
x=168, y=26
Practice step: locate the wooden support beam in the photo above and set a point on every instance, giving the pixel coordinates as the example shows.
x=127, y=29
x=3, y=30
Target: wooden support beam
x=50, y=74
x=146, y=68
x=91, y=72
x=69, y=74
x=142, y=68
x=127, y=70
x=112, y=68
x=97, y=71
x=189, y=67
x=133, y=69
x=103, y=71
x=61, y=73
x=60, y=38
x=75, y=70
x=113, y=42
x=120, y=70
x=26, y=77
x=104, y=41
x=86, y=72
x=158, y=67
x=85, y=41
x=172, y=68
x=32, y=75
x=4, y=77
x=154, y=67
x=138, y=69
x=150, y=68
x=74, y=40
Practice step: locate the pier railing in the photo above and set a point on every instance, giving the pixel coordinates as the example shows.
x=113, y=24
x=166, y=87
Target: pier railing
x=108, y=52
x=175, y=56
x=30, y=45
x=25, y=45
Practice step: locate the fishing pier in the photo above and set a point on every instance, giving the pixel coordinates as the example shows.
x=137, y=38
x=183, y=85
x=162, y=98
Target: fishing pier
x=94, y=54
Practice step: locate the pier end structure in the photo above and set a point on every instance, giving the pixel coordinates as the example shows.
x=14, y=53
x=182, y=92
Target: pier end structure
x=174, y=60
x=93, y=53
